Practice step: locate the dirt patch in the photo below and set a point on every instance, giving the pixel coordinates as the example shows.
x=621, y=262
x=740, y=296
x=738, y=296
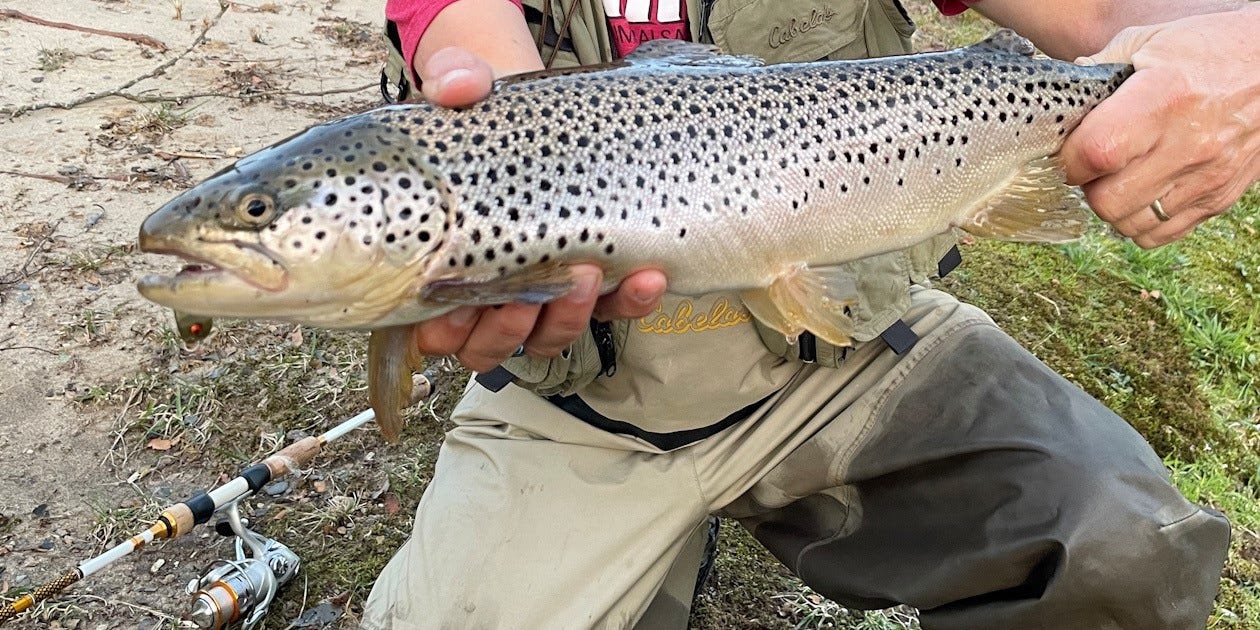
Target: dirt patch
x=93, y=375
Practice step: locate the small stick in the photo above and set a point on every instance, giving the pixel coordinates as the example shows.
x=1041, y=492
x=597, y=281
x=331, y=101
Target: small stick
x=118, y=91
x=143, y=40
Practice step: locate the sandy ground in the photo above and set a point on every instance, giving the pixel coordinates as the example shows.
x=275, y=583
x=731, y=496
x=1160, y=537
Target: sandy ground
x=75, y=185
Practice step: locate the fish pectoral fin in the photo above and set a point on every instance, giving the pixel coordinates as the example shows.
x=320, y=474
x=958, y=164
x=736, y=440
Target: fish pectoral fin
x=1035, y=206
x=392, y=358
x=805, y=298
x=676, y=52
x=1007, y=41
x=537, y=285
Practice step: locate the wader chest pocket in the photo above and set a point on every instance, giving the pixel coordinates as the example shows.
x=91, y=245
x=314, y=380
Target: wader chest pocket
x=786, y=30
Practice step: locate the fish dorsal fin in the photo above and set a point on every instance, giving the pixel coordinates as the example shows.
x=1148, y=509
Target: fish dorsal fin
x=392, y=358
x=1034, y=206
x=1008, y=41
x=536, y=285
x=804, y=298
x=676, y=52
x=657, y=52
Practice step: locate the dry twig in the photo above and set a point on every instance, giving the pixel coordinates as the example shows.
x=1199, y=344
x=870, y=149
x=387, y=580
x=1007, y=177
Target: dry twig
x=24, y=271
x=118, y=91
x=143, y=40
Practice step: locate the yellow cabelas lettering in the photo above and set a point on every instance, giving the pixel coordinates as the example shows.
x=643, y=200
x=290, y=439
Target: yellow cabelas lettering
x=684, y=319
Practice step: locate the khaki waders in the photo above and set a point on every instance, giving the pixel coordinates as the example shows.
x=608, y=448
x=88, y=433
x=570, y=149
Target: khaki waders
x=936, y=464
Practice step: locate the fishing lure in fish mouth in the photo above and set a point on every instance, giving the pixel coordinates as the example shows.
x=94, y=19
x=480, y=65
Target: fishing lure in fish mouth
x=725, y=173
x=192, y=328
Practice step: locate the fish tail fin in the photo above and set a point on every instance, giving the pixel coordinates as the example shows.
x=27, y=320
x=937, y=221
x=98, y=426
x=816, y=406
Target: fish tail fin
x=1035, y=206
x=392, y=358
x=802, y=299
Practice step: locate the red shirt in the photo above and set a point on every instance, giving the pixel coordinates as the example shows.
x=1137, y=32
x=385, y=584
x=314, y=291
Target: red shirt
x=631, y=22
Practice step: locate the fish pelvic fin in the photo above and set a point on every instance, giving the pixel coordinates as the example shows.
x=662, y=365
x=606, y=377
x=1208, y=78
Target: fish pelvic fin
x=392, y=358
x=807, y=299
x=1035, y=206
x=535, y=285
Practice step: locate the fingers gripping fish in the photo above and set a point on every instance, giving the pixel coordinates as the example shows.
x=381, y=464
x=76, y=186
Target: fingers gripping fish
x=724, y=173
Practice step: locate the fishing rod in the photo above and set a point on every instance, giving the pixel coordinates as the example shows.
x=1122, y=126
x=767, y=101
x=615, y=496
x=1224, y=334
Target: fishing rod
x=234, y=589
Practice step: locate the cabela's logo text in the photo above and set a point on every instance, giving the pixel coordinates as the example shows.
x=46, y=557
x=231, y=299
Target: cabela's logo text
x=684, y=319
x=781, y=35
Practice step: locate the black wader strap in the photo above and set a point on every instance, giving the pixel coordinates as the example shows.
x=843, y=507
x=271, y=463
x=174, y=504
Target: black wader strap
x=899, y=336
x=495, y=379
x=578, y=408
x=949, y=262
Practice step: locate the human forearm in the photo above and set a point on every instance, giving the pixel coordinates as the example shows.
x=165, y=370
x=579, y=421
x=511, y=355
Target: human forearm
x=1073, y=28
x=493, y=30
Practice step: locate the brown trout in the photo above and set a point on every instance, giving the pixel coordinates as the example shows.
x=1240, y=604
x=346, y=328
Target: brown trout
x=725, y=173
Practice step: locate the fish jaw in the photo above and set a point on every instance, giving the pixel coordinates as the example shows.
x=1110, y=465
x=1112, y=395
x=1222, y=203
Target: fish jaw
x=225, y=267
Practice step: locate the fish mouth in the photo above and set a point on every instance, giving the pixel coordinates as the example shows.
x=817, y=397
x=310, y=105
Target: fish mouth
x=215, y=269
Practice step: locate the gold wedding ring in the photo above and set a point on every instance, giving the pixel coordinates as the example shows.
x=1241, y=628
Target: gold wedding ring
x=1158, y=209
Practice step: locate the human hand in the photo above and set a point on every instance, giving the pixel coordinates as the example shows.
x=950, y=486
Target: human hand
x=1184, y=130
x=482, y=337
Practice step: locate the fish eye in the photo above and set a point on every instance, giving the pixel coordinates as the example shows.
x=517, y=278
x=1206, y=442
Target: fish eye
x=256, y=209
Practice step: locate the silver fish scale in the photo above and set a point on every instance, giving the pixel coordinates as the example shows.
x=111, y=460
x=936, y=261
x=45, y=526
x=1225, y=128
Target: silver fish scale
x=745, y=168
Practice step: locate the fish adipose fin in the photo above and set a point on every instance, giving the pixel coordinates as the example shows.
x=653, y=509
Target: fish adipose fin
x=807, y=299
x=392, y=358
x=1035, y=206
x=1007, y=41
x=537, y=285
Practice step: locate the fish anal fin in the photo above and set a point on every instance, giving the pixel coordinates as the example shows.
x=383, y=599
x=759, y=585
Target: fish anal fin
x=1035, y=206
x=804, y=298
x=1007, y=41
x=536, y=285
x=392, y=358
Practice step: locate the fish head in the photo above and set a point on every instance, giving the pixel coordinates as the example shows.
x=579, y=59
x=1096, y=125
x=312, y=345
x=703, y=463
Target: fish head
x=332, y=227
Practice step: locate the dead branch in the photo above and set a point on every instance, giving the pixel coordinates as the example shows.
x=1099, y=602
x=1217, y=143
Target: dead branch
x=24, y=271
x=143, y=40
x=69, y=180
x=118, y=91
x=176, y=98
x=46, y=350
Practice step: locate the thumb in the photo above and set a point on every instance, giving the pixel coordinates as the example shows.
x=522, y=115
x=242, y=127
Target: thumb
x=1122, y=47
x=455, y=77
